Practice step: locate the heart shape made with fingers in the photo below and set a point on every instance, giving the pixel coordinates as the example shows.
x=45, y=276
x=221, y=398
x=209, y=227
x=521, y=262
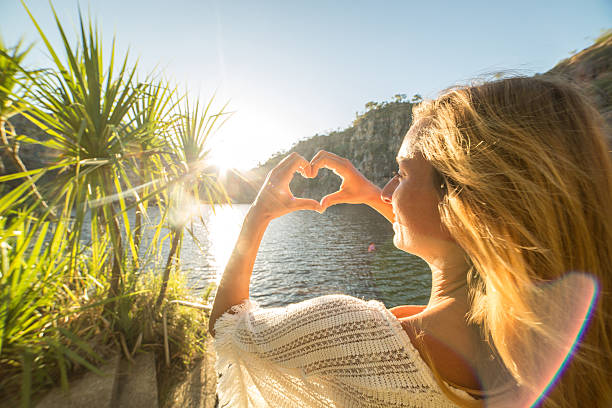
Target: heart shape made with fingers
x=323, y=184
x=283, y=193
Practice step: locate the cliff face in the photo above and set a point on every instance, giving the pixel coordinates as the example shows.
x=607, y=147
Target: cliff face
x=33, y=155
x=372, y=142
x=591, y=70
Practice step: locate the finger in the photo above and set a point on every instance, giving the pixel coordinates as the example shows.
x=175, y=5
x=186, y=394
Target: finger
x=290, y=160
x=306, y=204
x=324, y=159
x=332, y=199
x=305, y=170
x=292, y=163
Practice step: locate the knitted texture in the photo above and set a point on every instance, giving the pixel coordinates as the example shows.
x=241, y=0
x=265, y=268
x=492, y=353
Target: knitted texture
x=330, y=351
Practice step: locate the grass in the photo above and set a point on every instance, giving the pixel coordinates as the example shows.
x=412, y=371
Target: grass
x=67, y=331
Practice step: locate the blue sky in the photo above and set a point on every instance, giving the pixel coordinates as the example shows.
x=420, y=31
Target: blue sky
x=292, y=69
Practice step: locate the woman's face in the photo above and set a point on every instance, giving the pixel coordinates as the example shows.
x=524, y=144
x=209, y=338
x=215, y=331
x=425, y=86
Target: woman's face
x=415, y=199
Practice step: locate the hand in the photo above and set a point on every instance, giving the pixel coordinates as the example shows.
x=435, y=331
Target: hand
x=275, y=198
x=355, y=188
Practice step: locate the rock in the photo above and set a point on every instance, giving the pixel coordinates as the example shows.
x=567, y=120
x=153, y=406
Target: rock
x=90, y=391
x=33, y=155
x=136, y=383
x=198, y=389
x=123, y=385
x=591, y=70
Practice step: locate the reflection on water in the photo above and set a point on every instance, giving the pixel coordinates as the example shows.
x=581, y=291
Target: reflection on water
x=302, y=255
x=306, y=254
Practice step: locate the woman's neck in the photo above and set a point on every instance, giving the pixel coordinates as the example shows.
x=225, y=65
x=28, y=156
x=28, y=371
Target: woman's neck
x=448, y=280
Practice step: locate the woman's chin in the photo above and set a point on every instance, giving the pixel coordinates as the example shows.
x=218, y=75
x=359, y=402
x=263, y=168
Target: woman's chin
x=403, y=242
x=399, y=242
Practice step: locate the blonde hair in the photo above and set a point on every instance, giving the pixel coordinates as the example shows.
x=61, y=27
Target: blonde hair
x=528, y=196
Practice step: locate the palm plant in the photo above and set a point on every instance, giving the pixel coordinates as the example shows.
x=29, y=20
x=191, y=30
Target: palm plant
x=152, y=110
x=116, y=138
x=33, y=264
x=92, y=116
x=196, y=184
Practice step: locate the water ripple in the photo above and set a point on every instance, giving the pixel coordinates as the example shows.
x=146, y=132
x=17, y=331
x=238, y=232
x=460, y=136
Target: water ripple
x=304, y=254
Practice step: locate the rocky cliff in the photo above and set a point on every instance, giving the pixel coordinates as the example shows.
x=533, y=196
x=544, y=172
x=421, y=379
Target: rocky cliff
x=591, y=69
x=371, y=143
x=33, y=155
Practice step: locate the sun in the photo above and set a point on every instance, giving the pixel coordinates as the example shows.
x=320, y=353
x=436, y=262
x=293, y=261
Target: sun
x=223, y=165
x=235, y=155
x=246, y=140
x=224, y=161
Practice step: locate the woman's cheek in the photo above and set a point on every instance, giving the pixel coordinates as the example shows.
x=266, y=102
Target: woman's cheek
x=419, y=217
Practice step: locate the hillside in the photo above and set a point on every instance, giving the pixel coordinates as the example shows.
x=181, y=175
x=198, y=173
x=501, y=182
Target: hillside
x=371, y=143
x=591, y=69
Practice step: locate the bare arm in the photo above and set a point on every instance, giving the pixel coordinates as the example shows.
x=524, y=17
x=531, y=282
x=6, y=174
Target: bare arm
x=234, y=285
x=355, y=188
x=274, y=199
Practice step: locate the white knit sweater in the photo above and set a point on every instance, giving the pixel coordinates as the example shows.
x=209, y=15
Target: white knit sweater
x=330, y=351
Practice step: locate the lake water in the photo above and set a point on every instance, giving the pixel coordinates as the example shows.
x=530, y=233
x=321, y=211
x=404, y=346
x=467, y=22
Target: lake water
x=305, y=254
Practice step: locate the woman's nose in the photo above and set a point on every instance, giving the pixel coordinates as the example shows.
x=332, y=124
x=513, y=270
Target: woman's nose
x=388, y=189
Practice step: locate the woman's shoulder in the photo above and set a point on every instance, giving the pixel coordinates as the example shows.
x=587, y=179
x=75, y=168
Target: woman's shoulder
x=453, y=349
x=354, y=349
x=331, y=316
x=406, y=310
x=338, y=305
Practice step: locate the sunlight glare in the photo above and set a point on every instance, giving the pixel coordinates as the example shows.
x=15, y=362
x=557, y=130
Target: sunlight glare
x=222, y=157
x=223, y=228
x=185, y=209
x=247, y=139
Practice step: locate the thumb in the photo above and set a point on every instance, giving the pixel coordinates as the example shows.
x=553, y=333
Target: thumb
x=332, y=199
x=306, y=204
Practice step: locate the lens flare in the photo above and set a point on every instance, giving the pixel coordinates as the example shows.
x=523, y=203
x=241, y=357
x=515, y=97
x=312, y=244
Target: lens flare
x=584, y=291
x=184, y=207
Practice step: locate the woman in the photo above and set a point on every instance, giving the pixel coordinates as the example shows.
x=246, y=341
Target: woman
x=505, y=190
